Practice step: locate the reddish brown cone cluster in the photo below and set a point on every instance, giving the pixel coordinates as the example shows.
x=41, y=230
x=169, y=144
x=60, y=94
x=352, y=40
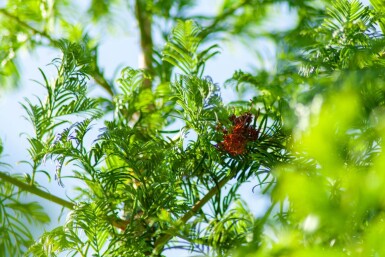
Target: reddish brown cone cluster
x=240, y=134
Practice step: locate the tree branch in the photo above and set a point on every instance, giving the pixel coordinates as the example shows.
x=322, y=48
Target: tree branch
x=97, y=75
x=219, y=18
x=27, y=26
x=102, y=81
x=159, y=244
x=144, y=18
x=36, y=191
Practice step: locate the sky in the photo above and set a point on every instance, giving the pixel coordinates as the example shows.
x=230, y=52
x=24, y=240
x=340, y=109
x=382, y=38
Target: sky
x=116, y=51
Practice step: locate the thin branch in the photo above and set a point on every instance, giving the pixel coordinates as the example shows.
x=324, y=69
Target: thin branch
x=27, y=26
x=36, y=191
x=97, y=74
x=159, y=244
x=219, y=18
x=102, y=81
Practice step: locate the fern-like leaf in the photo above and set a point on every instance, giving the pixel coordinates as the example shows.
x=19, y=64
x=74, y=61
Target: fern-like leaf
x=181, y=49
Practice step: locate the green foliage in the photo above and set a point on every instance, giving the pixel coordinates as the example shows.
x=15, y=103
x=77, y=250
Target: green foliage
x=17, y=34
x=16, y=215
x=166, y=169
x=131, y=167
x=181, y=48
x=327, y=193
x=67, y=95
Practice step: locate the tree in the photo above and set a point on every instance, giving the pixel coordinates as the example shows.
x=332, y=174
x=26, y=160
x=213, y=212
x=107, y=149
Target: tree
x=310, y=137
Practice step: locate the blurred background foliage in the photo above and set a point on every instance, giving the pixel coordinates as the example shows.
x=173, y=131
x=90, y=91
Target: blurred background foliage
x=318, y=107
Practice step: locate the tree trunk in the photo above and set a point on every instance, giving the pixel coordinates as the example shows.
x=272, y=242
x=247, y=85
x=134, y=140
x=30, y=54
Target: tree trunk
x=144, y=18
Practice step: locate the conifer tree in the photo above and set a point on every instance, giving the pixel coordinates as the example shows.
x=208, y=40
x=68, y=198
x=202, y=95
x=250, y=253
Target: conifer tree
x=165, y=171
